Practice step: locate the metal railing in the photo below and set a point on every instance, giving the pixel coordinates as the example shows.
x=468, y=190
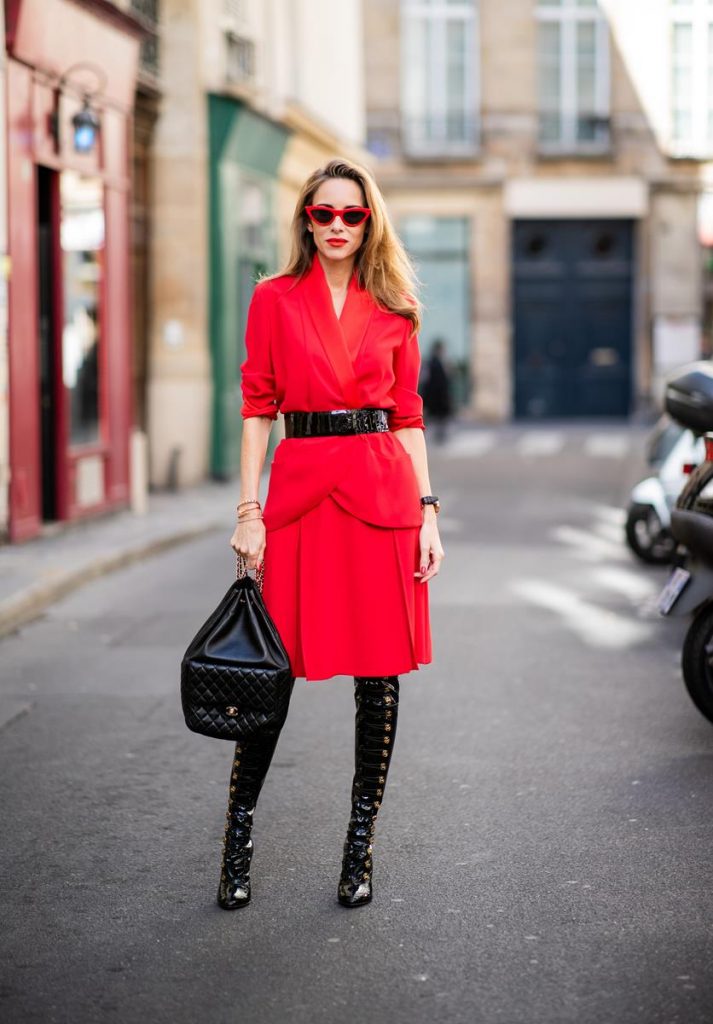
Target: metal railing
x=454, y=133
x=581, y=133
x=149, y=13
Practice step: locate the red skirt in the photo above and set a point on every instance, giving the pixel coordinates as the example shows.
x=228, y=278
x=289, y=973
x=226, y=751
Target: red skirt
x=343, y=595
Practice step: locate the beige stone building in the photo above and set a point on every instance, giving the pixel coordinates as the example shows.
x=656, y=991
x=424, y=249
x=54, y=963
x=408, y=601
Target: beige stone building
x=543, y=160
x=255, y=95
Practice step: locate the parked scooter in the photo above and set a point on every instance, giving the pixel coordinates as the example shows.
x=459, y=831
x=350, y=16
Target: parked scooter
x=672, y=450
x=689, y=590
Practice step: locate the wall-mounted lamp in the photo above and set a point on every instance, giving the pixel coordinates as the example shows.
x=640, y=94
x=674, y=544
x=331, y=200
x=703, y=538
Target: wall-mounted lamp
x=86, y=128
x=86, y=122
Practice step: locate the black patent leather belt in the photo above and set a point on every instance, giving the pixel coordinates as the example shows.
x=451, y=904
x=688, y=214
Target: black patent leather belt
x=335, y=421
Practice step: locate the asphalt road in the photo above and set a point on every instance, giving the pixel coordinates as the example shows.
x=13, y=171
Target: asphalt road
x=543, y=852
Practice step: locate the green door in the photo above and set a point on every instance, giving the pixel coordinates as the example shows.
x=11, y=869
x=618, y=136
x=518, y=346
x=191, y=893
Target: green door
x=245, y=152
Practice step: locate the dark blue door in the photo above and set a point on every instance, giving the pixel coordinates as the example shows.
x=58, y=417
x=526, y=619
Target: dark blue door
x=572, y=313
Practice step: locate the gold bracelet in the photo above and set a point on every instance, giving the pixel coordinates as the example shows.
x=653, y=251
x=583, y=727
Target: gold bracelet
x=250, y=501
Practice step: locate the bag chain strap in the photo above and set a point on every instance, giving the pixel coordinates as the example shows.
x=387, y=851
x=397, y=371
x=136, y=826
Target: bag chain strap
x=241, y=569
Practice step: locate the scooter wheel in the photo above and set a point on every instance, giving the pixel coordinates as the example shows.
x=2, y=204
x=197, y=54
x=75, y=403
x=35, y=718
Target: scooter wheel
x=697, y=661
x=647, y=538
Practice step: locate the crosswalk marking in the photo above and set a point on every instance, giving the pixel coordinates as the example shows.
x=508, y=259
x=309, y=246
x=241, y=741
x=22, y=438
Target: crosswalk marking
x=598, y=627
x=630, y=584
x=613, y=532
x=475, y=443
x=541, y=443
x=610, y=446
x=587, y=545
x=536, y=443
x=610, y=513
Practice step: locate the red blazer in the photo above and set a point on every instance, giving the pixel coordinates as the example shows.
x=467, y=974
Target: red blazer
x=301, y=356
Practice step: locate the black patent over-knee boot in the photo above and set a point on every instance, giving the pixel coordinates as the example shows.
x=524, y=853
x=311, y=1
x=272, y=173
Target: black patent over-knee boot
x=250, y=765
x=377, y=701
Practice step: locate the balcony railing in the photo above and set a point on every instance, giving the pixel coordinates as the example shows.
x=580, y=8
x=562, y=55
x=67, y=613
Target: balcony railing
x=582, y=134
x=148, y=12
x=452, y=134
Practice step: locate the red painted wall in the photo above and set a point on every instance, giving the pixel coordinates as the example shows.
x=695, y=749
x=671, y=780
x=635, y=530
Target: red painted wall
x=49, y=36
x=22, y=309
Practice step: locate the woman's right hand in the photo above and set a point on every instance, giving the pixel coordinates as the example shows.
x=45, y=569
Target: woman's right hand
x=249, y=540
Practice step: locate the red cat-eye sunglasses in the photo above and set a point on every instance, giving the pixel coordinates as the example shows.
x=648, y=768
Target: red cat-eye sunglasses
x=351, y=215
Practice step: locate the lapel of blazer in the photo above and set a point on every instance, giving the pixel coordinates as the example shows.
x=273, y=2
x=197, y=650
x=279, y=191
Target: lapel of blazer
x=341, y=338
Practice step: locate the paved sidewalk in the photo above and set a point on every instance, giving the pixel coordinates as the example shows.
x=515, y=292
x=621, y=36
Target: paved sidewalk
x=38, y=572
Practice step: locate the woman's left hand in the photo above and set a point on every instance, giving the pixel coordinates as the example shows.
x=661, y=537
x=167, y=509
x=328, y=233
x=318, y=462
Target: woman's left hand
x=432, y=553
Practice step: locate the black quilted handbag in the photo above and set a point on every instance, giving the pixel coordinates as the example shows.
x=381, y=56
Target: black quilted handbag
x=236, y=679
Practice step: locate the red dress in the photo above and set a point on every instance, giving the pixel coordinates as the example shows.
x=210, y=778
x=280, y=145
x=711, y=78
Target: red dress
x=342, y=514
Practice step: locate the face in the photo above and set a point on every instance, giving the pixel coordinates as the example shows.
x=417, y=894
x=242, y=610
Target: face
x=338, y=193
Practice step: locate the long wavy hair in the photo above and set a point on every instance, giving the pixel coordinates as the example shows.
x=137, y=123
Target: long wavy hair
x=382, y=264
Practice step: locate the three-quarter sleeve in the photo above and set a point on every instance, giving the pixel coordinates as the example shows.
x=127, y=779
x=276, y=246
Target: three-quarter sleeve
x=408, y=411
x=257, y=373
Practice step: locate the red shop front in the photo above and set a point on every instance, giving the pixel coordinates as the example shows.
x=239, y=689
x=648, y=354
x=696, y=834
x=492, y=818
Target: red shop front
x=71, y=74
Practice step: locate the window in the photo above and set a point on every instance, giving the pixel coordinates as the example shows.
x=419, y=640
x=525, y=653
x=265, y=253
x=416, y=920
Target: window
x=439, y=97
x=573, y=76
x=240, y=61
x=692, y=77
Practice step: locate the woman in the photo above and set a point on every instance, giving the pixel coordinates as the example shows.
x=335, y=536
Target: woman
x=348, y=531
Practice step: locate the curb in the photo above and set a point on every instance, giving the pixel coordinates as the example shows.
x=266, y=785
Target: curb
x=33, y=600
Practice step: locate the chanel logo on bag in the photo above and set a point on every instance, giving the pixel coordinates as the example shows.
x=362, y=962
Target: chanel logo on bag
x=231, y=710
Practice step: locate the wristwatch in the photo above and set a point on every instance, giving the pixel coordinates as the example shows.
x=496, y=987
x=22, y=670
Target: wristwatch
x=431, y=499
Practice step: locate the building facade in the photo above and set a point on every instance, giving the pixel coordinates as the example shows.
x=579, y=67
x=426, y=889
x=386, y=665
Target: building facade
x=155, y=150
x=246, y=115
x=71, y=72
x=544, y=161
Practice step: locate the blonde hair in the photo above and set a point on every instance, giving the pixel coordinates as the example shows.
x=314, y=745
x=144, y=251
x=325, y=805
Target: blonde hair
x=382, y=265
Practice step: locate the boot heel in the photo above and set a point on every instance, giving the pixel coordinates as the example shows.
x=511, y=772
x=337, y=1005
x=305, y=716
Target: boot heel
x=355, y=884
x=234, y=885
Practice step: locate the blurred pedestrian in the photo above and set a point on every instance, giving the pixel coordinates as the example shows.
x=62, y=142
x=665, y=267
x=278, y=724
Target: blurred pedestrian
x=436, y=390
x=348, y=531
